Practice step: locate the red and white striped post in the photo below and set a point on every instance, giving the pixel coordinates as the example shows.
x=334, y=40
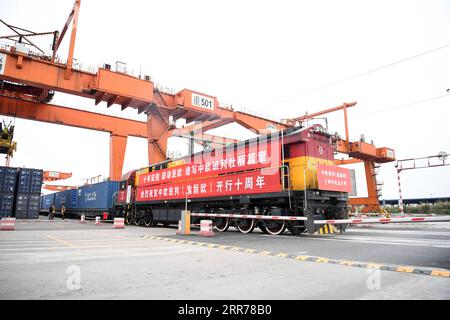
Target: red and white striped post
x=8, y=224
x=119, y=223
x=206, y=229
x=400, y=199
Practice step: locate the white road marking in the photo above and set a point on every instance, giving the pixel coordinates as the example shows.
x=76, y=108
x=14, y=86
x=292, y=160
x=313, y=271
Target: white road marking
x=390, y=241
x=110, y=246
x=399, y=232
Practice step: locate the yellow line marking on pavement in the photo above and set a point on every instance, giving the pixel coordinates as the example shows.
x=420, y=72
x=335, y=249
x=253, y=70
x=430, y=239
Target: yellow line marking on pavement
x=282, y=255
x=301, y=258
x=440, y=273
x=68, y=244
x=405, y=269
x=368, y=265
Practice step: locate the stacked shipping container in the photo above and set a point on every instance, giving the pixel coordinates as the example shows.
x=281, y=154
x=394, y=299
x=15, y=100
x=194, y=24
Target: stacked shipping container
x=28, y=193
x=8, y=180
x=20, y=192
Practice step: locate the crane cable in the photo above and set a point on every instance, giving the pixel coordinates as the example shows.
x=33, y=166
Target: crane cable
x=355, y=76
x=402, y=105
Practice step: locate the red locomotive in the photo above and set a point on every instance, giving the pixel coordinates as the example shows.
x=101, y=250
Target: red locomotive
x=288, y=173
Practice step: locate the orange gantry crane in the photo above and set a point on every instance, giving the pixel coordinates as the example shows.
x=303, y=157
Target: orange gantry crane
x=28, y=82
x=55, y=176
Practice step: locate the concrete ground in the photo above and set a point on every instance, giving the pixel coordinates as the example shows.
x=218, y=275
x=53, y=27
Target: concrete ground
x=68, y=260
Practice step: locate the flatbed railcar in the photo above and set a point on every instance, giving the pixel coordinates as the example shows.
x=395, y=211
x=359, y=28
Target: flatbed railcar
x=89, y=200
x=46, y=202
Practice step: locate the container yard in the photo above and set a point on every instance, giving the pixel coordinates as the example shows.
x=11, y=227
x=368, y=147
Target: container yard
x=218, y=202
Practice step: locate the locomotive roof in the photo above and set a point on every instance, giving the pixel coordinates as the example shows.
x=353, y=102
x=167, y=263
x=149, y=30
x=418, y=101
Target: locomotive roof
x=286, y=133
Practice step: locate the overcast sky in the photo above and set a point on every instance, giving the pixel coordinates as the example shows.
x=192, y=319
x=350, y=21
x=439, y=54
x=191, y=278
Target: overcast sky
x=267, y=56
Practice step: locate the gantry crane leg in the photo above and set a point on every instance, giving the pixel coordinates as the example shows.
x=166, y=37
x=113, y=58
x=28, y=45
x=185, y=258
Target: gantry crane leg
x=371, y=181
x=371, y=202
x=117, y=147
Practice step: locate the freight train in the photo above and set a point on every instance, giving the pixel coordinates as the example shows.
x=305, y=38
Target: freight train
x=90, y=200
x=290, y=173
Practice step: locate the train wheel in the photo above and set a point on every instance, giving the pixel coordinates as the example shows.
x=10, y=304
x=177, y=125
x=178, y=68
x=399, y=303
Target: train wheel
x=246, y=225
x=137, y=221
x=275, y=227
x=148, y=221
x=221, y=224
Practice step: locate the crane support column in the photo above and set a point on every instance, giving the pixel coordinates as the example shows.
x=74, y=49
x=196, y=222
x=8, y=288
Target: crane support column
x=371, y=202
x=372, y=192
x=117, y=148
x=158, y=128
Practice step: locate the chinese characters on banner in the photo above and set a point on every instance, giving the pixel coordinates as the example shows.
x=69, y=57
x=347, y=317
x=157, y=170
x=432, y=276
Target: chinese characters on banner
x=236, y=184
x=243, y=159
x=122, y=196
x=333, y=178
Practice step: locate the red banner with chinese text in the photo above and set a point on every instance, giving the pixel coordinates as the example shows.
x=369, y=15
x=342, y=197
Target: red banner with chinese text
x=122, y=196
x=235, y=184
x=333, y=178
x=251, y=157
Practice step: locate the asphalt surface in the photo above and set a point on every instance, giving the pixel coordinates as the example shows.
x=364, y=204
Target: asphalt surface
x=69, y=260
x=427, y=246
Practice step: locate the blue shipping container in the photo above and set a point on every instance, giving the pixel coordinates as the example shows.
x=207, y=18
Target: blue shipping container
x=97, y=196
x=36, y=180
x=47, y=201
x=22, y=200
x=68, y=198
x=8, y=179
x=24, y=180
x=33, y=206
x=29, y=180
x=6, y=204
